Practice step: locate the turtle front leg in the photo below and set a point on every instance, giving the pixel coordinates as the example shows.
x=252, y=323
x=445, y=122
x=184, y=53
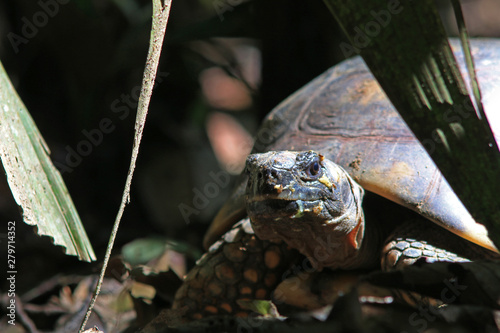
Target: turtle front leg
x=420, y=239
x=237, y=267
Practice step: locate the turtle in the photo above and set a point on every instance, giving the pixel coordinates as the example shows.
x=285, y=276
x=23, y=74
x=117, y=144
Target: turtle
x=336, y=177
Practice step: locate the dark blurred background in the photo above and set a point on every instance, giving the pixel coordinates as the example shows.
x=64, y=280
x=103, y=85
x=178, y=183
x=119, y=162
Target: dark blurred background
x=225, y=64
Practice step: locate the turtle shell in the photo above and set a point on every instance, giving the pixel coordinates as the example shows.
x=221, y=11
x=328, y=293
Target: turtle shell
x=345, y=115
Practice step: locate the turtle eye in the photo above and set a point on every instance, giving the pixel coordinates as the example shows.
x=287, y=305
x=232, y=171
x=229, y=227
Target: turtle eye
x=314, y=169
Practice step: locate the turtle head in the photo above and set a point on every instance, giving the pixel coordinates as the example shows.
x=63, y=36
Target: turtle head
x=307, y=201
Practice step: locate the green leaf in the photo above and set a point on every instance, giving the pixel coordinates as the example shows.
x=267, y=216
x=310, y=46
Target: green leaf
x=37, y=186
x=142, y=250
x=262, y=307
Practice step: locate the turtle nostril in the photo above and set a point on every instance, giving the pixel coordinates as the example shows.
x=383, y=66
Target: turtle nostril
x=268, y=175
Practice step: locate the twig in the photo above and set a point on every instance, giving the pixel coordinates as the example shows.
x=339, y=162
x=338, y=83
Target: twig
x=161, y=11
x=25, y=319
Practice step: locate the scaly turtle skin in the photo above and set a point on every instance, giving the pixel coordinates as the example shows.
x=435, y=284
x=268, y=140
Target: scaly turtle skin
x=311, y=201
